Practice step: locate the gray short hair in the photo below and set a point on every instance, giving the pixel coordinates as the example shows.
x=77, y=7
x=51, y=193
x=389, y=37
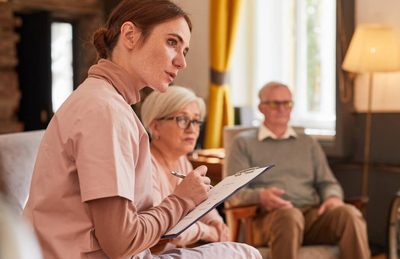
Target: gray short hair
x=270, y=86
x=158, y=105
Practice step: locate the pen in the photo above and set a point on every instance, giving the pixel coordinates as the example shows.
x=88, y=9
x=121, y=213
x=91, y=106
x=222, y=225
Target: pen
x=183, y=176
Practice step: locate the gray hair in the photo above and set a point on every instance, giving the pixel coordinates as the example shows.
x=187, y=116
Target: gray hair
x=158, y=105
x=269, y=86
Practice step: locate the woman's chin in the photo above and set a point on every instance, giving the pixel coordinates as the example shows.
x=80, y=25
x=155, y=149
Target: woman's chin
x=187, y=149
x=162, y=88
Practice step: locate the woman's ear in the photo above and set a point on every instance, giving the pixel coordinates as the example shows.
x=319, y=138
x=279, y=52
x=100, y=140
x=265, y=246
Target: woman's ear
x=154, y=125
x=130, y=35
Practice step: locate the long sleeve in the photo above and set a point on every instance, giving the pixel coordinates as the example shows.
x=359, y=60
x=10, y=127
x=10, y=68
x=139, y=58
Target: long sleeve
x=123, y=232
x=239, y=159
x=163, y=185
x=198, y=231
x=325, y=182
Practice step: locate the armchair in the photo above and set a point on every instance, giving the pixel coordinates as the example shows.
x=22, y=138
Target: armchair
x=239, y=218
x=17, y=158
x=394, y=228
x=242, y=215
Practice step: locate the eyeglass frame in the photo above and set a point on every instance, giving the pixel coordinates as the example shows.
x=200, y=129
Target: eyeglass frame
x=286, y=104
x=188, y=126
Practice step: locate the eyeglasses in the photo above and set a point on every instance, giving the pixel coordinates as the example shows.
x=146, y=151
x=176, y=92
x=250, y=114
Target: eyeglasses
x=184, y=122
x=275, y=104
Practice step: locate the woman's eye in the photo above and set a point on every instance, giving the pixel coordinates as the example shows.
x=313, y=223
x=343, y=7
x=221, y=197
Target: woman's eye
x=172, y=42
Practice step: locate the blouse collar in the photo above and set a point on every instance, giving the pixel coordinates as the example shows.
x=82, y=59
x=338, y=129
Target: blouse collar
x=117, y=77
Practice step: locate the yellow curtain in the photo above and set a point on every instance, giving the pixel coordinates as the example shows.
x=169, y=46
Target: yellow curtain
x=224, y=21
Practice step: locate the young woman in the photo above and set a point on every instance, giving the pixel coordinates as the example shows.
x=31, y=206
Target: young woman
x=91, y=191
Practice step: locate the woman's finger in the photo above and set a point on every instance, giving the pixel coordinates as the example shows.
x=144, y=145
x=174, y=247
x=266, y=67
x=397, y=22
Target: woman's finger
x=206, y=180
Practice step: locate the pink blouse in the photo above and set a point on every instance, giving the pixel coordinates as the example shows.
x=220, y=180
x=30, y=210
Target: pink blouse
x=164, y=184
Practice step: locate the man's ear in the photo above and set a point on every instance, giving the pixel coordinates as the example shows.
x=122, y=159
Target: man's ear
x=260, y=108
x=130, y=34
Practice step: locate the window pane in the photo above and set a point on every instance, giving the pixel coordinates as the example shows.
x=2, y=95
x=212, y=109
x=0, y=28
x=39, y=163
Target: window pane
x=61, y=63
x=293, y=42
x=313, y=55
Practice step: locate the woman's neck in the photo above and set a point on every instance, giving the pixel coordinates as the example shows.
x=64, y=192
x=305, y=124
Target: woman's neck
x=166, y=158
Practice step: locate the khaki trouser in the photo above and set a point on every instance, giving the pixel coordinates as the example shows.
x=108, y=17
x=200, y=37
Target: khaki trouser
x=285, y=230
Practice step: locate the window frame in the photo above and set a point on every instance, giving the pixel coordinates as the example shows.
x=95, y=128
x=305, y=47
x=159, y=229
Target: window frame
x=341, y=144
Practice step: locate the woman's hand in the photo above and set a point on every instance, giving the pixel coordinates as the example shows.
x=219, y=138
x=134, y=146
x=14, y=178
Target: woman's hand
x=195, y=186
x=214, y=236
x=224, y=234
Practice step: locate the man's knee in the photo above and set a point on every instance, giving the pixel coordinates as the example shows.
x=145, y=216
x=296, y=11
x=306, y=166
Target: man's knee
x=350, y=217
x=349, y=212
x=288, y=220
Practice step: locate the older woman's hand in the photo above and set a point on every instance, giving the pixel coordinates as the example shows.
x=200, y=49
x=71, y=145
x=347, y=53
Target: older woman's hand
x=224, y=234
x=195, y=186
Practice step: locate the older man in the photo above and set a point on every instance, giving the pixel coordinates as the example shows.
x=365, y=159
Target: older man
x=303, y=201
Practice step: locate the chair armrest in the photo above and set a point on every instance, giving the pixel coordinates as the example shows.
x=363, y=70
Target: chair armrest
x=240, y=212
x=359, y=202
x=237, y=214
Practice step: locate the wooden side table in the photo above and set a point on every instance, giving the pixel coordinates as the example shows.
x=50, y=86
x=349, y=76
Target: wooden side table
x=212, y=158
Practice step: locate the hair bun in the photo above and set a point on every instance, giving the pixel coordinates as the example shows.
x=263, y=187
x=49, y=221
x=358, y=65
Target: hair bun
x=100, y=42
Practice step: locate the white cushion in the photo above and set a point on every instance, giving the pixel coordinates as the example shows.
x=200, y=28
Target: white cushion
x=17, y=159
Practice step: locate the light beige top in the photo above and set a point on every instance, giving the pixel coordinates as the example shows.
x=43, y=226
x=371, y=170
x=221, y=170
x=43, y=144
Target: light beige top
x=95, y=147
x=164, y=184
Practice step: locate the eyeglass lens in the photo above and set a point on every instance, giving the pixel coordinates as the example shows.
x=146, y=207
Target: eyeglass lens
x=275, y=104
x=184, y=123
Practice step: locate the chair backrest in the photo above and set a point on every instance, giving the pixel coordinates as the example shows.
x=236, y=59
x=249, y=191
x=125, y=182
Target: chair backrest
x=17, y=159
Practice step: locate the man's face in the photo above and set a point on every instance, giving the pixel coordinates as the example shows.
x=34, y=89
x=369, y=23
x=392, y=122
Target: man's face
x=276, y=115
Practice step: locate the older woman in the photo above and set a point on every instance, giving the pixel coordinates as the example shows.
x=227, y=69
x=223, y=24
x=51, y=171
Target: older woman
x=173, y=120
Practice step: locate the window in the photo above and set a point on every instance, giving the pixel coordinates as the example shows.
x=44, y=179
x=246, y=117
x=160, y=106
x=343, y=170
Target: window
x=61, y=63
x=293, y=42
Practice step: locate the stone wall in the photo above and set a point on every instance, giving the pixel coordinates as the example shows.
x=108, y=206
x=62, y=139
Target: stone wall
x=87, y=15
x=9, y=93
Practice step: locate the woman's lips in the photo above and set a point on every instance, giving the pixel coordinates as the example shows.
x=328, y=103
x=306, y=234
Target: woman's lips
x=171, y=75
x=191, y=140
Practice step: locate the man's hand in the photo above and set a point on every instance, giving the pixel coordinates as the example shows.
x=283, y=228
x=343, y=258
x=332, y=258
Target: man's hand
x=270, y=199
x=329, y=203
x=195, y=186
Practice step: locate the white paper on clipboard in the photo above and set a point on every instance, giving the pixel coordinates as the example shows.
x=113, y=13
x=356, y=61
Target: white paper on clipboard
x=222, y=191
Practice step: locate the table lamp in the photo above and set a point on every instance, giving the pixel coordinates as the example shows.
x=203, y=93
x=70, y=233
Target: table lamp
x=373, y=48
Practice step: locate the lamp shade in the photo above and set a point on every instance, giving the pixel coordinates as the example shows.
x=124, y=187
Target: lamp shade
x=373, y=48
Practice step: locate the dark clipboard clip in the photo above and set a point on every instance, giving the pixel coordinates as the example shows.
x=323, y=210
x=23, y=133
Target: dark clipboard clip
x=246, y=171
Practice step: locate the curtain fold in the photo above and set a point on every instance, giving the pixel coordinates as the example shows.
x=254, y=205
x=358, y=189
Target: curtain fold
x=224, y=21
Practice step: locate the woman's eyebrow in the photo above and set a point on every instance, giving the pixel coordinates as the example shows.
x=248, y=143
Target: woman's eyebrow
x=186, y=113
x=179, y=38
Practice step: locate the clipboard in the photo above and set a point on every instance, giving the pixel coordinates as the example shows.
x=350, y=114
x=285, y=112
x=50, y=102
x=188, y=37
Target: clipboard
x=222, y=191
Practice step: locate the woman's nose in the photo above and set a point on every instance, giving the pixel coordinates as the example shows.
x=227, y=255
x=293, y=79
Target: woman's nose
x=180, y=61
